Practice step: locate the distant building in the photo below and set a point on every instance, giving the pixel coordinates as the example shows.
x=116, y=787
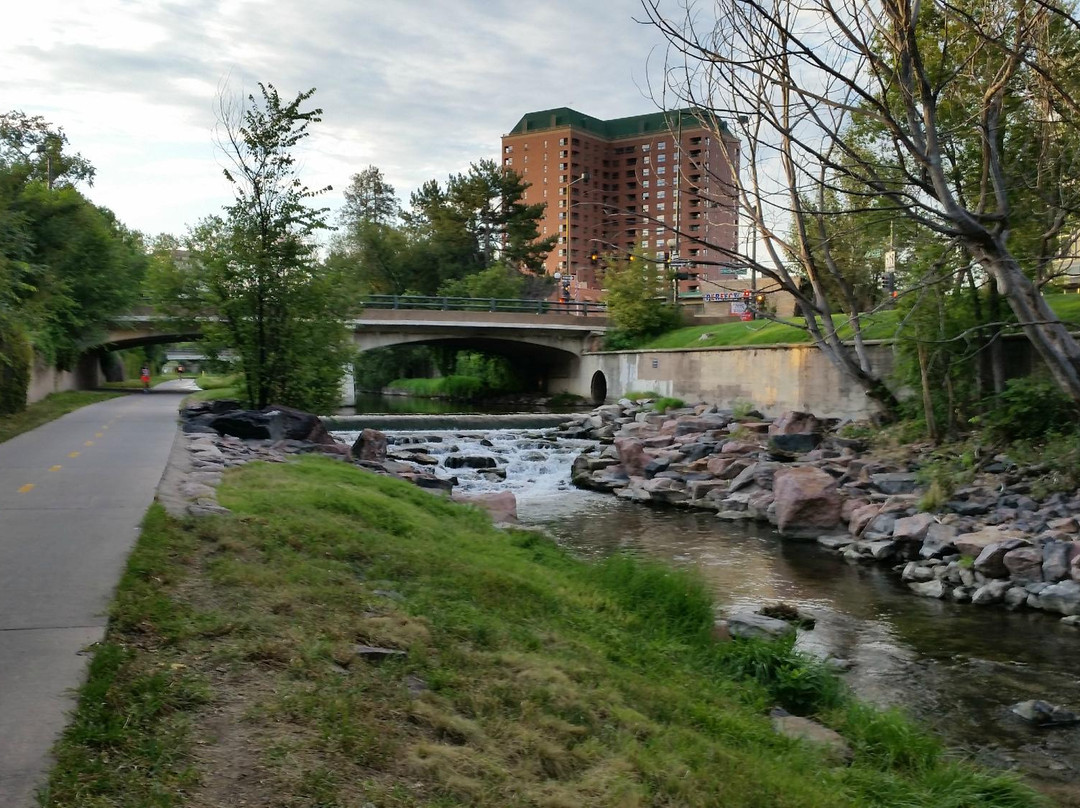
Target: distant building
x=626, y=186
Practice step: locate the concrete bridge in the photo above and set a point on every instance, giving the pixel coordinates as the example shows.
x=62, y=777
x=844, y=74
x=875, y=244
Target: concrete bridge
x=545, y=340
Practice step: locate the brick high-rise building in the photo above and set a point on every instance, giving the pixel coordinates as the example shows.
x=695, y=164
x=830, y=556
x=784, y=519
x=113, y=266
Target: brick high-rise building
x=646, y=185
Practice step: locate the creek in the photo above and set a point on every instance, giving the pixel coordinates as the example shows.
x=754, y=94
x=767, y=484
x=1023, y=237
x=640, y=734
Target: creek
x=956, y=667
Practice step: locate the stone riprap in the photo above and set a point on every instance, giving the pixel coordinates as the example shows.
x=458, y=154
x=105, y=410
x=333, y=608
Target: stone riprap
x=219, y=435
x=992, y=543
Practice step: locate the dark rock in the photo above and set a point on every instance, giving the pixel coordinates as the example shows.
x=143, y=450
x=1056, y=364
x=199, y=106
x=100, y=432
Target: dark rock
x=696, y=451
x=433, y=483
x=938, y=541
x=970, y=508
x=795, y=442
x=656, y=465
x=895, y=482
x=289, y=423
x=1024, y=564
x=244, y=424
x=470, y=462
x=1057, y=556
x=370, y=446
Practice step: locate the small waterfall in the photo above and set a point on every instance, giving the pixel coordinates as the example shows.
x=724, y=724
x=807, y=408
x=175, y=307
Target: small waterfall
x=530, y=463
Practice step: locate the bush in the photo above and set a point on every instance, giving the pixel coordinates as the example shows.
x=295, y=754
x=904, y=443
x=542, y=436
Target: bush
x=1028, y=409
x=16, y=359
x=666, y=403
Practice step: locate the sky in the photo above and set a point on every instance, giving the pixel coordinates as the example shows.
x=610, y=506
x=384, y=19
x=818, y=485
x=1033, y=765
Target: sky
x=419, y=88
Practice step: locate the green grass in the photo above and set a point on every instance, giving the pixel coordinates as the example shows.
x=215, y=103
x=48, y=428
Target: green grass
x=457, y=387
x=880, y=325
x=667, y=403
x=218, y=387
x=48, y=409
x=228, y=675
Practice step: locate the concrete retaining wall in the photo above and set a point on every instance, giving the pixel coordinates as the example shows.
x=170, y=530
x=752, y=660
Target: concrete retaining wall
x=45, y=379
x=773, y=378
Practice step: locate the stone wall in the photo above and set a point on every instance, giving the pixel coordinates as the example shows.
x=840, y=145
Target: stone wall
x=774, y=378
x=45, y=379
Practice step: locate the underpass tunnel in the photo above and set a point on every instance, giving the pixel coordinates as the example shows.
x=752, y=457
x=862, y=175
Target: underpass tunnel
x=541, y=369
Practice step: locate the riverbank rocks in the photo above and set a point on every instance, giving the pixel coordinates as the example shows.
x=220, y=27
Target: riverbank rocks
x=370, y=446
x=806, y=500
x=992, y=543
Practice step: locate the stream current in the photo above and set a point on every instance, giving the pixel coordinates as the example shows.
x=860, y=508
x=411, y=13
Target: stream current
x=956, y=667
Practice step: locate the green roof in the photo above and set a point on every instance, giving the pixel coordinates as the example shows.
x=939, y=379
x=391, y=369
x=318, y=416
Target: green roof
x=633, y=126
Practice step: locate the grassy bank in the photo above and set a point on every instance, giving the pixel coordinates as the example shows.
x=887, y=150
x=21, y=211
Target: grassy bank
x=456, y=387
x=230, y=674
x=48, y=409
x=880, y=325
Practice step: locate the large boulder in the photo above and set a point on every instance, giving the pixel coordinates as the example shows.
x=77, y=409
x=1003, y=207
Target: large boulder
x=792, y=422
x=805, y=497
x=991, y=560
x=938, y=541
x=1024, y=564
x=632, y=456
x=243, y=424
x=370, y=446
x=289, y=423
x=912, y=528
x=1057, y=555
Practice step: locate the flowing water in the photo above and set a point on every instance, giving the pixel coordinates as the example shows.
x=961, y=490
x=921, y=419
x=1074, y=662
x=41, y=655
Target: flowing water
x=956, y=667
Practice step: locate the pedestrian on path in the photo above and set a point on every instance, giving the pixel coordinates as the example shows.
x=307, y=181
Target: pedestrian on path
x=144, y=377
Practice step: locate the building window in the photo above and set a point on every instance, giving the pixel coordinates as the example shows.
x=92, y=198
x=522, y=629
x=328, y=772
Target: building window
x=562, y=141
x=644, y=183
x=661, y=194
x=563, y=154
x=661, y=145
x=644, y=245
x=661, y=158
x=509, y=161
x=660, y=206
x=644, y=172
x=645, y=147
x=645, y=208
x=659, y=170
x=661, y=183
x=659, y=242
x=646, y=160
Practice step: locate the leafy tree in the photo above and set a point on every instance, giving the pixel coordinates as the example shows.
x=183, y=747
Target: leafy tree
x=959, y=118
x=255, y=268
x=35, y=148
x=636, y=301
x=369, y=199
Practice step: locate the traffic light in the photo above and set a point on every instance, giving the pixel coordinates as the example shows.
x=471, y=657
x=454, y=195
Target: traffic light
x=594, y=258
x=746, y=295
x=759, y=300
x=890, y=284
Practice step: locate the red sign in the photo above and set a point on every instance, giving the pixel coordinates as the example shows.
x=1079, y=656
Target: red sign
x=747, y=315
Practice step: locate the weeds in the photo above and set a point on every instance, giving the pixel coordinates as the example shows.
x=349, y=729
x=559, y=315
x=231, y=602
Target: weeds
x=666, y=403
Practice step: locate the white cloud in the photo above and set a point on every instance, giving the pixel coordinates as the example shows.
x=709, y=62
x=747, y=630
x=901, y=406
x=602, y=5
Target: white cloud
x=420, y=88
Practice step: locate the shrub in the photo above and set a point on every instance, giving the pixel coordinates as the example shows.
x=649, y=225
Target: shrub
x=666, y=403
x=1028, y=409
x=16, y=358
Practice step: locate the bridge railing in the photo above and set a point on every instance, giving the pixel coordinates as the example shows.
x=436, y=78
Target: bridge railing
x=482, y=304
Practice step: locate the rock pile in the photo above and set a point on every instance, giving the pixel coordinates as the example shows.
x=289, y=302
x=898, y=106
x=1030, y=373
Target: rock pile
x=992, y=543
x=217, y=435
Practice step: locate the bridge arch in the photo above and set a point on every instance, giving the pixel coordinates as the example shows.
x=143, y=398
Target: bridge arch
x=544, y=368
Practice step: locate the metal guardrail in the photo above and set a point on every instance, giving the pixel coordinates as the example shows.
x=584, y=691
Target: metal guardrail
x=482, y=304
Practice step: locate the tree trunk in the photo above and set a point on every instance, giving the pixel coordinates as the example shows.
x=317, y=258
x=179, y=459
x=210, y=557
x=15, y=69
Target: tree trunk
x=1052, y=340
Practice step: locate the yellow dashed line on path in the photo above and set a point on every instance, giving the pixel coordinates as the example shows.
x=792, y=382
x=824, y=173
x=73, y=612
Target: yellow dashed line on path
x=55, y=468
x=89, y=443
x=26, y=488
x=74, y=454
x=98, y=435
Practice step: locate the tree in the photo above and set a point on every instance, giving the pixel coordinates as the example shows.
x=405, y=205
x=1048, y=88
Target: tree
x=369, y=199
x=636, y=301
x=953, y=116
x=255, y=267
x=37, y=148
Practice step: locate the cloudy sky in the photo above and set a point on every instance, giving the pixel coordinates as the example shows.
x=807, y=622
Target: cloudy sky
x=420, y=88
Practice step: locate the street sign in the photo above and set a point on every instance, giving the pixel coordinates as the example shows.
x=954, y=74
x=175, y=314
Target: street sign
x=679, y=262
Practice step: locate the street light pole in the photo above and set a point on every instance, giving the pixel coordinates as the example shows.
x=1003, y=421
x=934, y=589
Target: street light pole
x=569, y=206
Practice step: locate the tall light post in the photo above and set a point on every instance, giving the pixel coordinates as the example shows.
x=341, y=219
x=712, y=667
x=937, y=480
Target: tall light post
x=584, y=177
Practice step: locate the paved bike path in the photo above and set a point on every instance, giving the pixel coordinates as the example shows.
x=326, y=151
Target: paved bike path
x=72, y=495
